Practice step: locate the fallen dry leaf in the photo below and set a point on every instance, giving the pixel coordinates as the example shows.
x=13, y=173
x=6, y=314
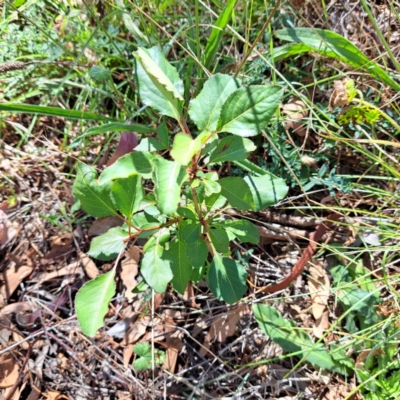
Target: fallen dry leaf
x=174, y=345
x=71, y=269
x=137, y=330
x=295, y=110
x=321, y=325
x=319, y=286
x=134, y=253
x=12, y=279
x=129, y=271
x=88, y=265
x=60, y=245
x=8, y=229
x=16, y=307
x=102, y=225
x=8, y=370
x=224, y=326
x=363, y=356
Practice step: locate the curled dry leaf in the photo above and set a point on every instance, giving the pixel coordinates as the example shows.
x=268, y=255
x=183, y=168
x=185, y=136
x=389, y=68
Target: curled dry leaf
x=60, y=245
x=129, y=271
x=319, y=286
x=8, y=370
x=224, y=326
x=174, y=345
x=12, y=278
x=321, y=325
x=88, y=265
x=295, y=110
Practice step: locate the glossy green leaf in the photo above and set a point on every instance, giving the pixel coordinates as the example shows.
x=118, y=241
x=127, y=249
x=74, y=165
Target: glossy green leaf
x=197, y=252
x=94, y=197
x=227, y=279
x=150, y=144
x=107, y=246
x=129, y=164
x=158, y=82
x=219, y=239
x=92, y=300
x=248, y=110
x=53, y=112
x=238, y=193
x=215, y=202
x=127, y=194
x=184, y=148
x=205, y=109
x=163, y=135
x=292, y=339
x=336, y=46
x=217, y=32
x=244, y=230
x=266, y=190
x=211, y=187
x=189, y=231
x=232, y=148
x=186, y=212
x=156, y=269
x=168, y=177
x=160, y=237
x=180, y=265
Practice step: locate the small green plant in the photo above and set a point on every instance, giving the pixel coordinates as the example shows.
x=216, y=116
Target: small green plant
x=170, y=192
x=146, y=357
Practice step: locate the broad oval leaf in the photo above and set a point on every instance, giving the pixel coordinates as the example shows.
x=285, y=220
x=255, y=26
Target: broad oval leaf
x=189, y=231
x=238, y=193
x=227, y=279
x=127, y=193
x=156, y=269
x=184, y=148
x=244, y=230
x=232, y=148
x=180, y=265
x=94, y=197
x=219, y=239
x=291, y=338
x=249, y=109
x=205, y=109
x=107, y=246
x=92, y=300
x=197, y=253
x=267, y=190
x=132, y=163
x=168, y=177
x=158, y=82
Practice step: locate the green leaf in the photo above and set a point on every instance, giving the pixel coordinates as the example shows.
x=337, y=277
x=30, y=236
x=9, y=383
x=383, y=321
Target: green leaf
x=217, y=32
x=108, y=245
x=292, y=339
x=129, y=164
x=189, y=232
x=232, y=148
x=156, y=269
x=53, y=112
x=215, y=202
x=219, y=239
x=205, y=109
x=197, y=253
x=333, y=45
x=227, y=279
x=184, y=148
x=92, y=300
x=266, y=190
x=168, y=177
x=150, y=144
x=163, y=135
x=160, y=237
x=186, y=212
x=244, y=230
x=238, y=193
x=180, y=264
x=248, y=110
x=158, y=82
x=145, y=361
x=127, y=193
x=94, y=197
x=211, y=187
x=99, y=74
